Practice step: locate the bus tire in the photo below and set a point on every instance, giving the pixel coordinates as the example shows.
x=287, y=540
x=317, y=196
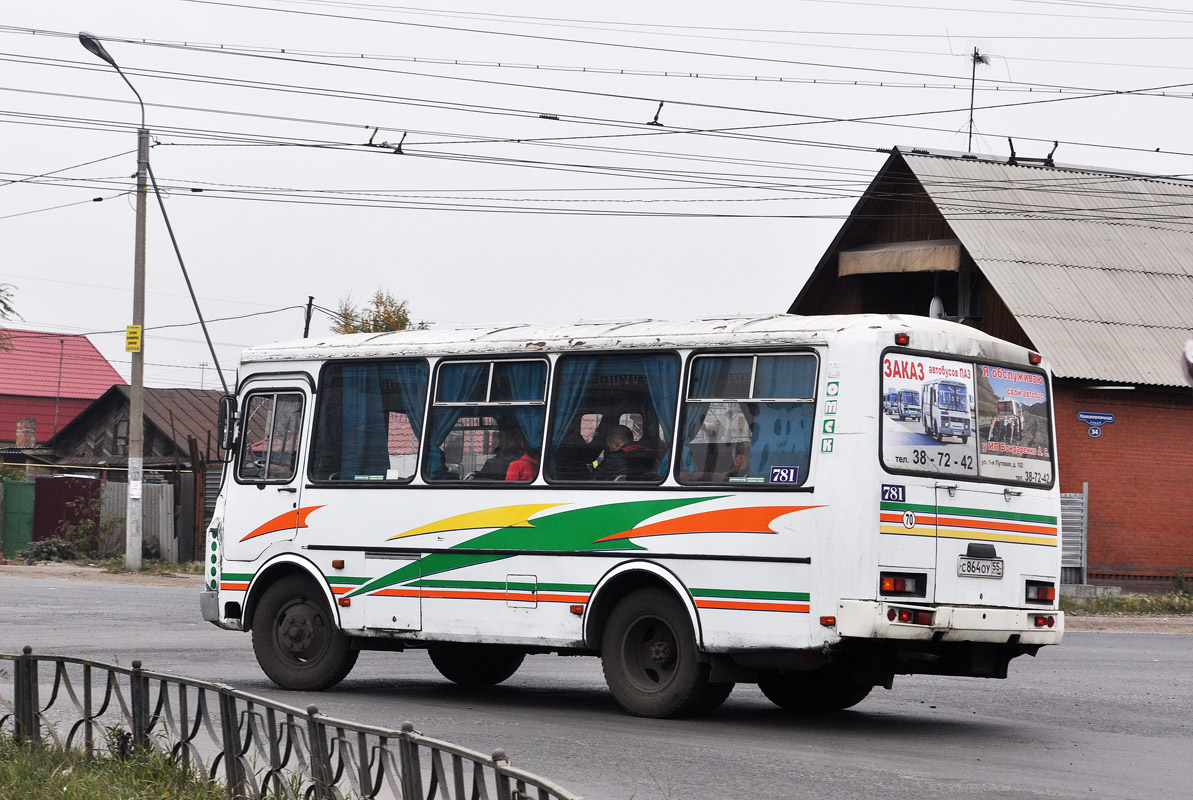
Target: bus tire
x=296, y=640
x=826, y=689
x=648, y=654
x=475, y=664
x=714, y=696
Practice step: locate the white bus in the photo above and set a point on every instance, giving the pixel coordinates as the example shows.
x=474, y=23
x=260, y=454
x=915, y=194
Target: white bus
x=697, y=503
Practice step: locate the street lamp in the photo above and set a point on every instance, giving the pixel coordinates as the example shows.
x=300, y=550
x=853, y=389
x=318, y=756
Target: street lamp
x=136, y=422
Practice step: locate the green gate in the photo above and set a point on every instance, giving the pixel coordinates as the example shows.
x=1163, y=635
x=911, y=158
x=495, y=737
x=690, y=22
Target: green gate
x=18, y=517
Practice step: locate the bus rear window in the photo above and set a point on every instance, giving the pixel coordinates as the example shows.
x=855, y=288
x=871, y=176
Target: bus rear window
x=947, y=417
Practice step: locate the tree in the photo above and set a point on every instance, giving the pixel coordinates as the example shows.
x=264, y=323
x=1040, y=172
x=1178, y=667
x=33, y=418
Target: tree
x=382, y=313
x=6, y=310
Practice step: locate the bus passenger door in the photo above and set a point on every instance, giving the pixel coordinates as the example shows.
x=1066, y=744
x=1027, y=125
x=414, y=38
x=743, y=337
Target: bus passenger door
x=262, y=502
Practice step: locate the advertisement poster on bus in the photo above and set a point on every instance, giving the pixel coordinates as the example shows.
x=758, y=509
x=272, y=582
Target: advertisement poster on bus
x=928, y=415
x=1014, y=439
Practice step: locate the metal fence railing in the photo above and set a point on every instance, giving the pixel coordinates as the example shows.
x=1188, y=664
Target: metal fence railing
x=253, y=746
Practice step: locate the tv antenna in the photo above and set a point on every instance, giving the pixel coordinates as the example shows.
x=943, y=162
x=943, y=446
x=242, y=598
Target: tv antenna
x=977, y=58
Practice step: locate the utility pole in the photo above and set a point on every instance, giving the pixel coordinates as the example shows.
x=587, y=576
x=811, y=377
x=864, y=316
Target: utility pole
x=306, y=327
x=134, y=340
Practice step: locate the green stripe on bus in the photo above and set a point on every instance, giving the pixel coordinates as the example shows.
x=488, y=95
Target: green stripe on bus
x=740, y=593
x=236, y=576
x=345, y=579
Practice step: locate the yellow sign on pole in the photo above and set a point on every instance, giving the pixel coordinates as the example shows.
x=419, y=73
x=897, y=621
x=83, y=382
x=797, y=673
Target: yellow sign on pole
x=132, y=339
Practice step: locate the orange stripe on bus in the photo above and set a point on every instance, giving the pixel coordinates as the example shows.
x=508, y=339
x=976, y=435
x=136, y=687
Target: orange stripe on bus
x=396, y=593
x=741, y=605
x=963, y=522
x=234, y=587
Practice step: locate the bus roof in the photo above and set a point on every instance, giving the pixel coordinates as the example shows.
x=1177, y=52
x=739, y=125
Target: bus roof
x=745, y=330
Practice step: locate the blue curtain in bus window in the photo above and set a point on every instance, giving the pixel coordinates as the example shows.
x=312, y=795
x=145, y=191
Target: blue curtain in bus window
x=412, y=383
x=364, y=447
x=782, y=437
x=571, y=385
x=785, y=377
x=662, y=382
x=527, y=381
x=458, y=383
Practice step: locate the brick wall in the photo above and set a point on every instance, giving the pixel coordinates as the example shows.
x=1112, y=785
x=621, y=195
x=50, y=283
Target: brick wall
x=1140, y=475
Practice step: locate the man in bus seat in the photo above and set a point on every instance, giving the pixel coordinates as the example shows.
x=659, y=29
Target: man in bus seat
x=625, y=458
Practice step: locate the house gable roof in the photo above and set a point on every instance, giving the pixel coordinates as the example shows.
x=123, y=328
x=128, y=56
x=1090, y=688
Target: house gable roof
x=42, y=364
x=176, y=413
x=1096, y=267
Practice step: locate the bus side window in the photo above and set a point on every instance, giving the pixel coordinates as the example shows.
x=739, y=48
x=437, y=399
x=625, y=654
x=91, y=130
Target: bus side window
x=747, y=416
x=593, y=395
x=487, y=421
x=269, y=436
x=369, y=420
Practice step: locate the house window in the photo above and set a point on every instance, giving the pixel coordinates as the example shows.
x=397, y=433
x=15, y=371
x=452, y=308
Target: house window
x=120, y=438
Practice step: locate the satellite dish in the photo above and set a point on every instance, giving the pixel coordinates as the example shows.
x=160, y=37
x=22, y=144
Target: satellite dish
x=1188, y=361
x=936, y=309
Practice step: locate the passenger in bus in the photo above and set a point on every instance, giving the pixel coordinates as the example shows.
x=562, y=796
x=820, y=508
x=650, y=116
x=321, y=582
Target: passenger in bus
x=740, y=468
x=525, y=468
x=624, y=458
x=511, y=446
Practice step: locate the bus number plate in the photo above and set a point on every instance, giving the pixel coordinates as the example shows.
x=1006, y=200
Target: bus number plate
x=979, y=567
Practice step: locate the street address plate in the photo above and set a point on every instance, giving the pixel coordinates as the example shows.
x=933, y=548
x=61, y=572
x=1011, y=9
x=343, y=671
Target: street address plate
x=979, y=567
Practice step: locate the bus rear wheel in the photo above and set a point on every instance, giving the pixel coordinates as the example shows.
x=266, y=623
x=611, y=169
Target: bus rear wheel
x=826, y=689
x=296, y=640
x=475, y=664
x=648, y=653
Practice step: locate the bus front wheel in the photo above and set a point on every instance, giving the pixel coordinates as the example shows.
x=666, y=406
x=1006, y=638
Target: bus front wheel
x=475, y=664
x=825, y=689
x=296, y=639
x=648, y=653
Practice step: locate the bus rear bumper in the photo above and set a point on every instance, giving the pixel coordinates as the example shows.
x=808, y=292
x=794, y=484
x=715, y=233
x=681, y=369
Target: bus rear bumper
x=868, y=619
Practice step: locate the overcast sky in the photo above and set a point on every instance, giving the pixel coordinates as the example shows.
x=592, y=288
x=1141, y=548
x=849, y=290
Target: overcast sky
x=531, y=184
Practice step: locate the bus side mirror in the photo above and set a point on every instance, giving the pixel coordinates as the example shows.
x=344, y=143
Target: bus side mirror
x=226, y=423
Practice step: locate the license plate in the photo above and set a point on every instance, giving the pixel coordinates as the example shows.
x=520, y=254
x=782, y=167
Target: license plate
x=979, y=567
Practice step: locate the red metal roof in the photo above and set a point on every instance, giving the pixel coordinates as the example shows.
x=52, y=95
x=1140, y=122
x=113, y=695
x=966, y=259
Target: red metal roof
x=41, y=364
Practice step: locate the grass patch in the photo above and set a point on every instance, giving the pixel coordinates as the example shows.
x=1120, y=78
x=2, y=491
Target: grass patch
x=1174, y=602
x=148, y=566
x=42, y=773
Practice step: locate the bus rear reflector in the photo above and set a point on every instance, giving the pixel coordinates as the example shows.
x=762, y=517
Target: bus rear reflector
x=1045, y=621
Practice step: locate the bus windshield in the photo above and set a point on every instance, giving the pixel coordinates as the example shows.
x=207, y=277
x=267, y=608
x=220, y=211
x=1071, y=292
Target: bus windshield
x=951, y=396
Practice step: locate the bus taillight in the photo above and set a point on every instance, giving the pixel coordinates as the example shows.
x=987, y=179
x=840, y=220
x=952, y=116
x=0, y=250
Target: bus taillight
x=1040, y=592
x=908, y=584
x=909, y=616
x=1045, y=621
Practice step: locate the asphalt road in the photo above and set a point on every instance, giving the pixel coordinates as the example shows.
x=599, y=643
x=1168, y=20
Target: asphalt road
x=1104, y=715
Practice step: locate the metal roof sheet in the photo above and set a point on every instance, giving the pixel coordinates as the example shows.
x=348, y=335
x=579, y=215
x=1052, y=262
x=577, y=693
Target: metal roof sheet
x=42, y=364
x=1096, y=267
